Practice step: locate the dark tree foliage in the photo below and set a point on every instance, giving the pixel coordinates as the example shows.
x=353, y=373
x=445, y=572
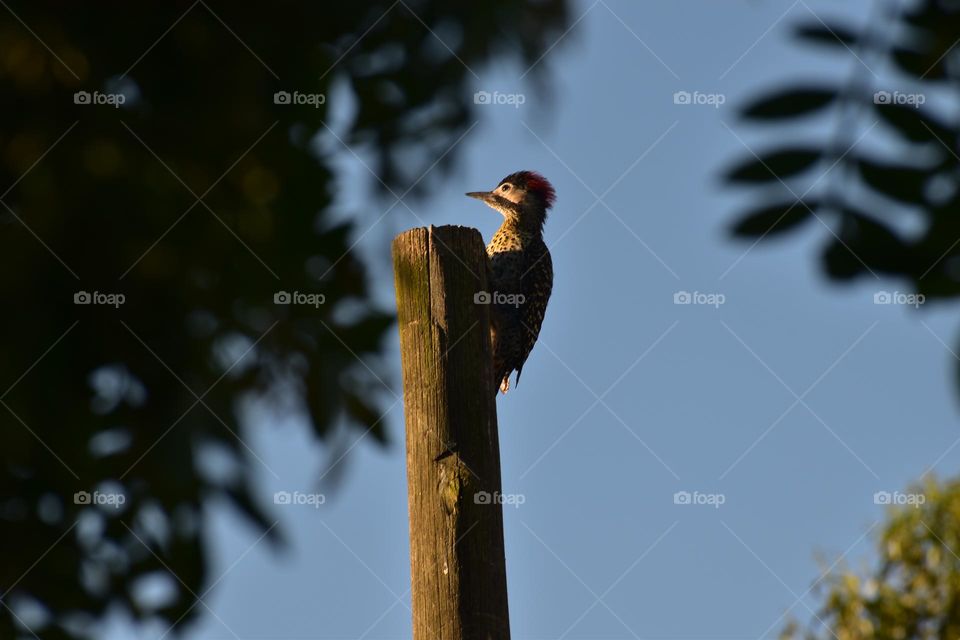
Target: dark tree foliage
x=198, y=200
x=886, y=183
x=886, y=186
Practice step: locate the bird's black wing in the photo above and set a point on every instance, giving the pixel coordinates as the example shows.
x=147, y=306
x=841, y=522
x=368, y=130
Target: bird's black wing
x=536, y=284
x=506, y=271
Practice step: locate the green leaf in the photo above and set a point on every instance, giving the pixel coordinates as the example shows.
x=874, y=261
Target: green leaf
x=776, y=164
x=900, y=182
x=790, y=102
x=820, y=33
x=774, y=219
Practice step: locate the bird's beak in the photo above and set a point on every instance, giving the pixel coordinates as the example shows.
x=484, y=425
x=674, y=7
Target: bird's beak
x=480, y=195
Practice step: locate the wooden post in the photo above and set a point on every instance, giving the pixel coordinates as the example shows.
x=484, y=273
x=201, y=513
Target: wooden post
x=457, y=560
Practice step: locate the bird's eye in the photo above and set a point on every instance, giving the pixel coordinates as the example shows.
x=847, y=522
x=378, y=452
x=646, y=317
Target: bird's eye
x=505, y=188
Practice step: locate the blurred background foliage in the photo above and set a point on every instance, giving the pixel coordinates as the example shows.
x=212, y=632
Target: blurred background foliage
x=885, y=187
x=914, y=591
x=198, y=199
x=885, y=184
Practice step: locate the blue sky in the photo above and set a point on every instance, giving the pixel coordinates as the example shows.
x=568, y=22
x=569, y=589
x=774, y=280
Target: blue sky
x=793, y=402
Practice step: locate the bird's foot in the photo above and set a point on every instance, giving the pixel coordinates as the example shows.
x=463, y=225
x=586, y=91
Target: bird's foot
x=505, y=385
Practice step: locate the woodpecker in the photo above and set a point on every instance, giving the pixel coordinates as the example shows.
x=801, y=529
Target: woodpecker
x=520, y=269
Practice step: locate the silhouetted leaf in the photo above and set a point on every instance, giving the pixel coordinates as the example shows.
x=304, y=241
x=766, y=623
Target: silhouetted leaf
x=874, y=242
x=55, y=633
x=915, y=123
x=925, y=65
x=362, y=411
x=867, y=230
x=790, y=102
x=834, y=34
x=840, y=261
x=928, y=17
x=776, y=164
x=898, y=181
x=864, y=244
x=774, y=219
x=252, y=510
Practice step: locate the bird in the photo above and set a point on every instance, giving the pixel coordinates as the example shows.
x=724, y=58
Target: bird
x=520, y=270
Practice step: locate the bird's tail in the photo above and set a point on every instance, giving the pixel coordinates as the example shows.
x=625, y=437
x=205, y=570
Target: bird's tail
x=504, y=384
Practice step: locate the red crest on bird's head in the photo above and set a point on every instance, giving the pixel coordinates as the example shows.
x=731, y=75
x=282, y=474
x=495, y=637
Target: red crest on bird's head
x=535, y=183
